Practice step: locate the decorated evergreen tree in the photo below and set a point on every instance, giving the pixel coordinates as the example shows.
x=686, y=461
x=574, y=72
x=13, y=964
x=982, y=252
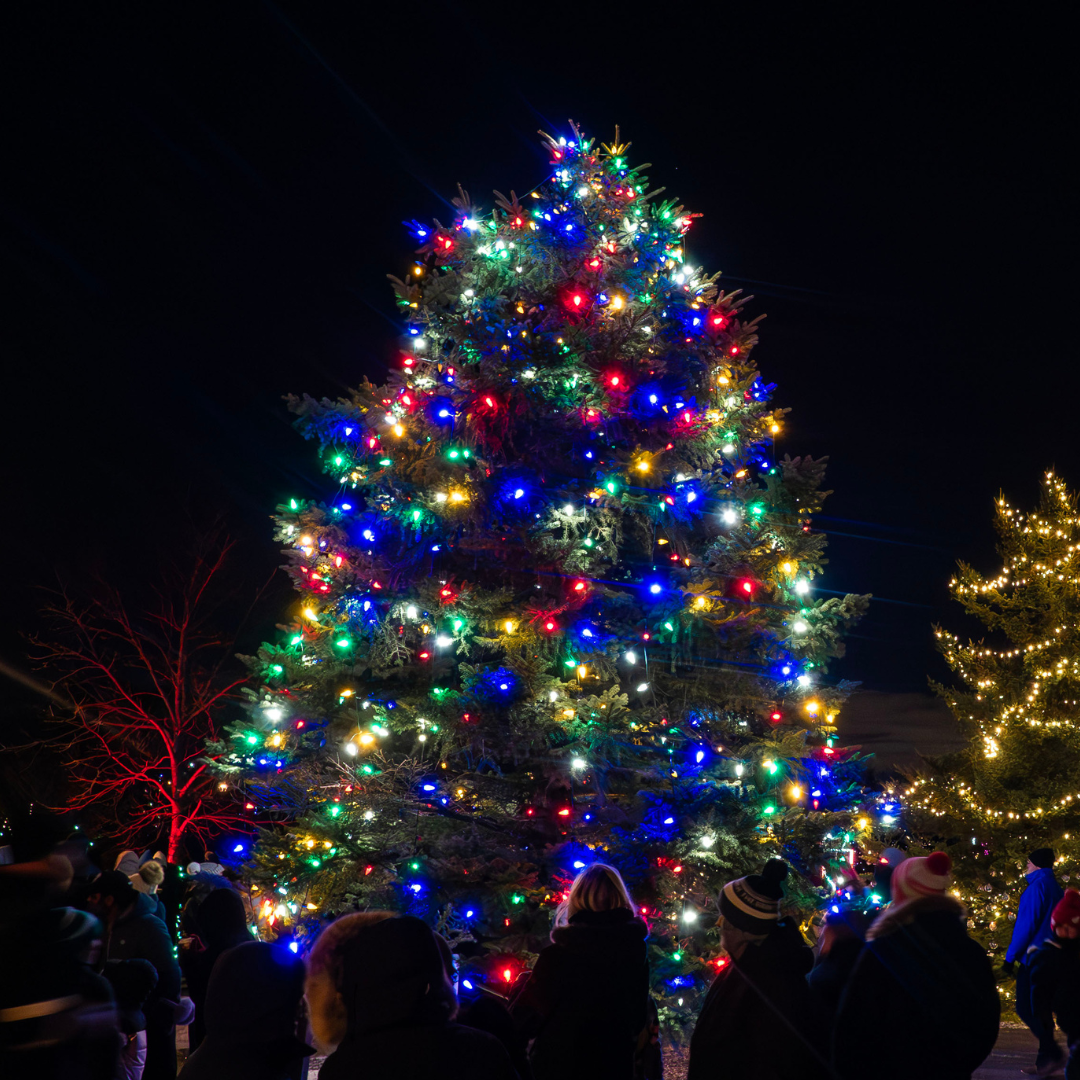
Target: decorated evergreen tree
x=1016, y=786
x=556, y=607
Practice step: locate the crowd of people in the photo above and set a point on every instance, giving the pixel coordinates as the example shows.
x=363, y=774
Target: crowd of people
x=96, y=984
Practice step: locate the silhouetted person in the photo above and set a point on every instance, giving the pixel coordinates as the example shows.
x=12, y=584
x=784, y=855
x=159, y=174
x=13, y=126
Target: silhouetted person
x=759, y=1018
x=586, y=1000
x=252, y=1014
x=1032, y=927
x=221, y=923
x=1055, y=987
x=921, y=975
x=132, y=931
x=400, y=1009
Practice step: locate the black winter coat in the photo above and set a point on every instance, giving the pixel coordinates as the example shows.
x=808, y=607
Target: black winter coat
x=923, y=976
x=1055, y=984
x=586, y=1001
x=252, y=1005
x=759, y=1018
x=443, y=1050
x=831, y=973
x=141, y=935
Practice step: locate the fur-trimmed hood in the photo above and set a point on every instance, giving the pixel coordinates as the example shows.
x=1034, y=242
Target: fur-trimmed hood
x=895, y=917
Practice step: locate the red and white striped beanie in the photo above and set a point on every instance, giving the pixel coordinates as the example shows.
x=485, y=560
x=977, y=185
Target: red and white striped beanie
x=921, y=877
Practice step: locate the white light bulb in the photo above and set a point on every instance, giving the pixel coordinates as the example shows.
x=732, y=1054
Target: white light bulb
x=351, y=749
x=707, y=841
x=411, y=611
x=442, y=640
x=642, y=687
x=273, y=714
x=578, y=763
x=730, y=517
x=631, y=658
x=800, y=627
x=689, y=915
x=802, y=587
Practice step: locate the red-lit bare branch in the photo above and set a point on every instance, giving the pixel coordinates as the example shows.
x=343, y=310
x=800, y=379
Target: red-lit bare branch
x=147, y=689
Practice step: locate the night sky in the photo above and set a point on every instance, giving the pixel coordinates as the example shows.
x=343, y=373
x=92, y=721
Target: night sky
x=200, y=204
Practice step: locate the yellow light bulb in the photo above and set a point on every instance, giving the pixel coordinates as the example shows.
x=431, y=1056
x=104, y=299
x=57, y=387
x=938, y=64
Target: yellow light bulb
x=775, y=428
x=582, y=671
x=700, y=602
x=795, y=791
x=812, y=707
x=788, y=568
x=643, y=466
x=617, y=303
x=310, y=613
x=457, y=497
x=366, y=739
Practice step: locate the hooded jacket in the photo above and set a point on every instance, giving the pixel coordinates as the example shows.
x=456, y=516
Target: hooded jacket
x=222, y=924
x=760, y=1018
x=922, y=974
x=586, y=1000
x=1033, y=913
x=399, y=1003
x=252, y=1005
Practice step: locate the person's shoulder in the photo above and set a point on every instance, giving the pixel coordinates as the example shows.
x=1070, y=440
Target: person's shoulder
x=473, y=1038
x=484, y=1051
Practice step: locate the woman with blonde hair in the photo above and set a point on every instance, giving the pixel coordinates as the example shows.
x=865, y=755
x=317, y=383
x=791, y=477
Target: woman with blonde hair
x=586, y=1000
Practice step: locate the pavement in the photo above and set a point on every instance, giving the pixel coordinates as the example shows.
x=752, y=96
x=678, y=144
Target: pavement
x=1015, y=1049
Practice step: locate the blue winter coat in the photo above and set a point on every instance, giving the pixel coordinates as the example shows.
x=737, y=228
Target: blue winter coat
x=1033, y=917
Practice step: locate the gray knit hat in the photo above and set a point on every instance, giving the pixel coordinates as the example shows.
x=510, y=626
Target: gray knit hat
x=752, y=903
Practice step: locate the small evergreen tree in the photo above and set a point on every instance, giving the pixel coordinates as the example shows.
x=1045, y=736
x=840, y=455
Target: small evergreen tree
x=1016, y=786
x=557, y=606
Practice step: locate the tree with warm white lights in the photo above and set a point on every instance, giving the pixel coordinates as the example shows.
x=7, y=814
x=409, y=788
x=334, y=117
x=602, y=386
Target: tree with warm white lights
x=557, y=603
x=1016, y=786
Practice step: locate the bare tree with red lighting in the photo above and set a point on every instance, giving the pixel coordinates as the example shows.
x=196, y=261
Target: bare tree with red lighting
x=147, y=688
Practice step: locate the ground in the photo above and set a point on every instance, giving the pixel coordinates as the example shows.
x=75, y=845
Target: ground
x=1015, y=1049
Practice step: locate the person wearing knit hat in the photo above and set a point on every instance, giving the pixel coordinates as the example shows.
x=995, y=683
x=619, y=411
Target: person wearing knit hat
x=913, y=878
x=919, y=969
x=1032, y=927
x=146, y=880
x=1054, y=969
x=759, y=997
x=752, y=903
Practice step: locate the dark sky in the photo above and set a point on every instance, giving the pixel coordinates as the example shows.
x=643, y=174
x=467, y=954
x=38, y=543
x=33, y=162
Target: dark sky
x=200, y=204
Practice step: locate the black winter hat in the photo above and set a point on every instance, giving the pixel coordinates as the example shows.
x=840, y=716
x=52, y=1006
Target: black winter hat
x=1042, y=857
x=114, y=883
x=752, y=903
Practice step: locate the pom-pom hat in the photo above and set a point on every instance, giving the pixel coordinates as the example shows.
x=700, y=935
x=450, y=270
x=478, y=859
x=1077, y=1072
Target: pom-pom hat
x=914, y=878
x=752, y=903
x=1067, y=909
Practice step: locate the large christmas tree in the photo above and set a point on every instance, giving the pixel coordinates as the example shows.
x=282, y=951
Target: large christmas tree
x=557, y=604
x=1016, y=786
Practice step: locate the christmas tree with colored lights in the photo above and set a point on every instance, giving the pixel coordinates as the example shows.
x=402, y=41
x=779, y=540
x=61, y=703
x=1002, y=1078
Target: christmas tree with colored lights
x=1016, y=786
x=557, y=604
